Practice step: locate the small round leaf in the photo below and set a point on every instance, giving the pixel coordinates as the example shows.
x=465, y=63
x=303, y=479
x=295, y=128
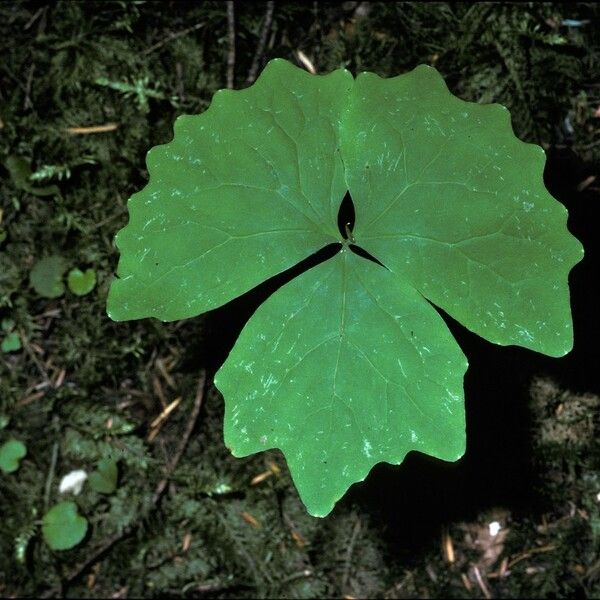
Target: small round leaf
x=104, y=479
x=62, y=527
x=11, y=453
x=46, y=276
x=11, y=343
x=81, y=282
x=7, y=325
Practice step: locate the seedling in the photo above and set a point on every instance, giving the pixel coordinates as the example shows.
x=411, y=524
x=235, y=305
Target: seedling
x=11, y=342
x=81, y=282
x=46, y=277
x=349, y=365
x=63, y=527
x=11, y=453
x=104, y=479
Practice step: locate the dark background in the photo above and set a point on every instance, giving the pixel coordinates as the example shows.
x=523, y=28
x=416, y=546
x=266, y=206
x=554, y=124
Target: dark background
x=82, y=387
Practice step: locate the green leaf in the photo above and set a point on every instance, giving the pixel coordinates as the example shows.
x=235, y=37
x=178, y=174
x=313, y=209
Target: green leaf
x=274, y=178
x=104, y=479
x=11, y=343
x=344, y=367
x=7, y=325
x=20, y=172
x=11, y=453
x=47, y=276
x=81, y=282
x=460, y=211
x=62, y=527
x=349, y=364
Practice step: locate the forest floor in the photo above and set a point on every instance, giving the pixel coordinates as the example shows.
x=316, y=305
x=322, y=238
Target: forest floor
x=85, y=90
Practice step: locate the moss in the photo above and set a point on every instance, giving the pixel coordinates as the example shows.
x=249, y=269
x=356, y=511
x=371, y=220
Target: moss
x=83, y=388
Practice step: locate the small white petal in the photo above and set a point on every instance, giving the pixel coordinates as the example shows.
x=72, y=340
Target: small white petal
x=494, y=528
x=72, y=482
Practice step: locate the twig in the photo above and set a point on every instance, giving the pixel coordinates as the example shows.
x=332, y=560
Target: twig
x=156, y=425
x=586, y=146
x=349, y=552
x=160, y=488
x=306, y=62
x=107, y=220
x=466, y=582
x=33, y=357
x=91, y=129
x=481, y=583
x=12, y=76
x=447, y=546
x=180, y=85
x=172, y=37
x=585, y=183
x=262, y=40
x=528, y=553
x=31, y=21
x=231, y=39
x=50, y=477
x=184, y=440
x=298, y=575
x=27, y=103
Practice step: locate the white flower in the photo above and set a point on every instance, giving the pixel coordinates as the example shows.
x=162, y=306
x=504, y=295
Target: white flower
x=72, y=482
x=494, y=528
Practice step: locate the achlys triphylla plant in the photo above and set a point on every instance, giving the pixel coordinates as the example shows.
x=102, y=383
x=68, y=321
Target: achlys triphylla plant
x=349, y=364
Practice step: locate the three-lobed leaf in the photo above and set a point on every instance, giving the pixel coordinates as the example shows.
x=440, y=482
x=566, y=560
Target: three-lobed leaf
x=349, y=364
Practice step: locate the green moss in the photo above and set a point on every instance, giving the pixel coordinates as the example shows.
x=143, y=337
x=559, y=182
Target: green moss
x=82, y=388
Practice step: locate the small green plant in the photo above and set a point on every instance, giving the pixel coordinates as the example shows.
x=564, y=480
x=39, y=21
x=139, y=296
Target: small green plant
x=349, y=364
x=81, y=282
x=104, y=479
x=11, y=342
x=46, y=277
x=63, y=527
x=11, y=453
x=20, y=172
